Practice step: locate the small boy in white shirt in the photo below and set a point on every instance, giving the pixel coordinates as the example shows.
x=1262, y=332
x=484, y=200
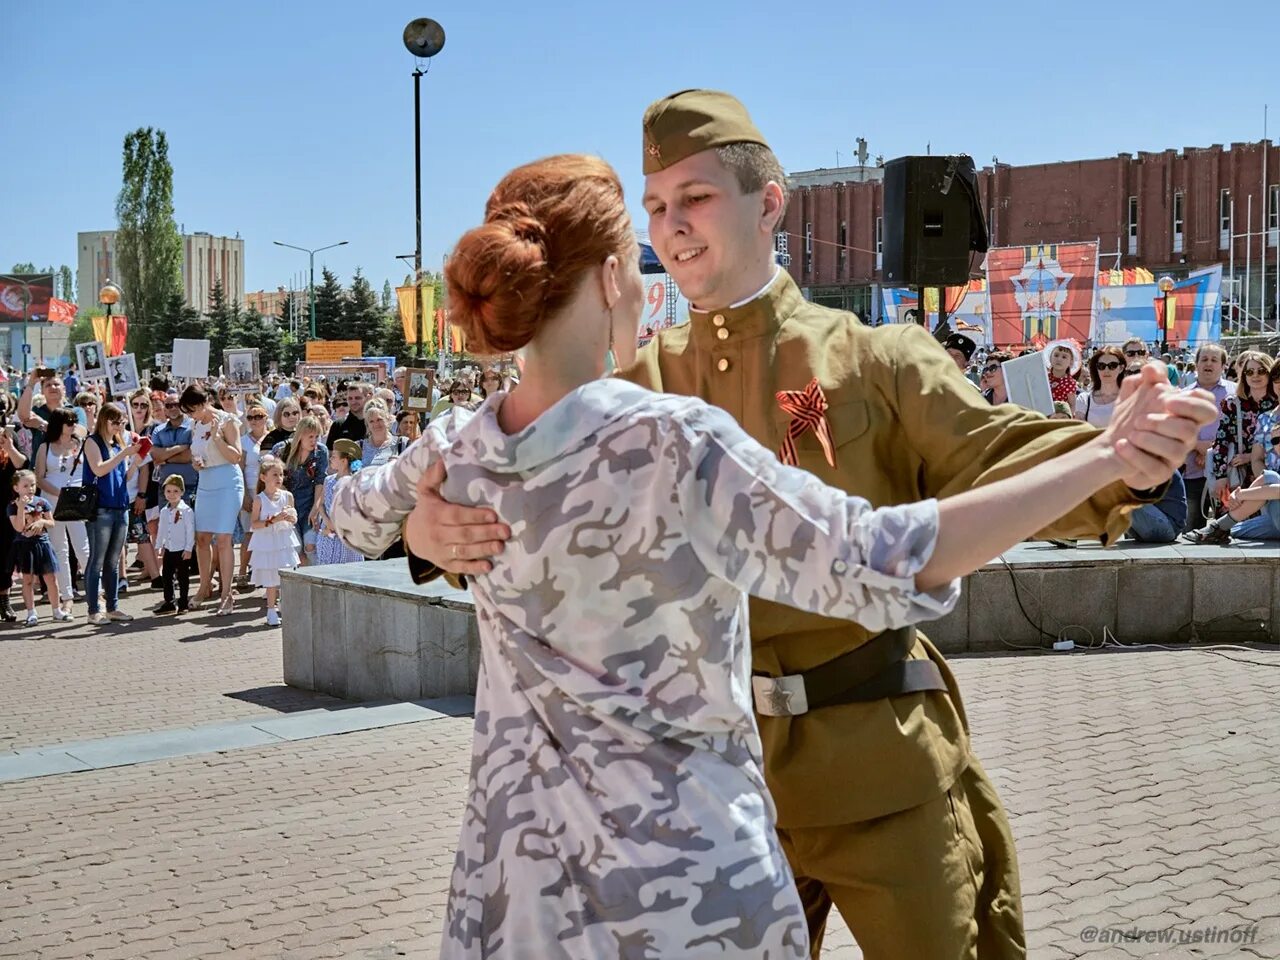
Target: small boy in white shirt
x=175, y=540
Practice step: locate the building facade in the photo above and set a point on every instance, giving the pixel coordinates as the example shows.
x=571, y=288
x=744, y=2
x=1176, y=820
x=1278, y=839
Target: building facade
x=205, y=258
x=1171, y=212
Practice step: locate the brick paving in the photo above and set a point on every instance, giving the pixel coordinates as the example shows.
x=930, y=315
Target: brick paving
x=73, y=681
x=1141, y=785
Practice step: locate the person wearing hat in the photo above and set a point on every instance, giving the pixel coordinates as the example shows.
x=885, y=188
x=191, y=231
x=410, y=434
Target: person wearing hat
x=1062, y=360
x=882, y=808
x=960, y=347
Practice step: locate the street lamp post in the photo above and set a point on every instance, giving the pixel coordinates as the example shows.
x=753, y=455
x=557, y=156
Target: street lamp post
x=311, y=287
x=1165, y=286
x=424, y=38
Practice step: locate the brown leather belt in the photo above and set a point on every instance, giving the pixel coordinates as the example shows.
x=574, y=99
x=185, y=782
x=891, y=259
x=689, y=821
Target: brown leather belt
x=878, y=669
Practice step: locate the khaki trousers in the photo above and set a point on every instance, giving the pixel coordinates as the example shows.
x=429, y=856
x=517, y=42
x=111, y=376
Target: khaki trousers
x=936, y=882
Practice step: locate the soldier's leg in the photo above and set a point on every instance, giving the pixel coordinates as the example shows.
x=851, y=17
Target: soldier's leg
x=911, y=885
x=813, y=895
x=1000, y=924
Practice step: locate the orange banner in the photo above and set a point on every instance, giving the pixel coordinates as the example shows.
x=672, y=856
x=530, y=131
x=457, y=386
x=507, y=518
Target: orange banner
x=62, y=312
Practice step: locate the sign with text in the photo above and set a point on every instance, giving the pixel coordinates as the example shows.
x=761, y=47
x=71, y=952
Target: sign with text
x=332, y=351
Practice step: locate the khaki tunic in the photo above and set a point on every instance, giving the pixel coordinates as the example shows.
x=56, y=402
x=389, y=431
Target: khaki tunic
x=906, y=425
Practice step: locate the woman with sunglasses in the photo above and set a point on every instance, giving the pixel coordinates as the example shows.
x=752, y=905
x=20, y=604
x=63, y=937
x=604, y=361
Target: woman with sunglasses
x=58, y=465
x=491, y=382
x=1106, y=368
x=288, y=413
x=142, y=422
x=106, y=451
x=460, y=395
x=992, y=381
x=1231, y=459
x=217, y=454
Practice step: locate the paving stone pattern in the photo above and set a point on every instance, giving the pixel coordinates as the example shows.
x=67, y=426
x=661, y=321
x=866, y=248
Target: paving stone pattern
x=1142, y=789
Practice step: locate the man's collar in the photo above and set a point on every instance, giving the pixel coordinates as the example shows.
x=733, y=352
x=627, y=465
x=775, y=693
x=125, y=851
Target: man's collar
x=757, y=316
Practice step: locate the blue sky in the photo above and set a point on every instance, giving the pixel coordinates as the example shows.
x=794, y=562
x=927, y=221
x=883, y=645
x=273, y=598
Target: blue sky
x=293, y=121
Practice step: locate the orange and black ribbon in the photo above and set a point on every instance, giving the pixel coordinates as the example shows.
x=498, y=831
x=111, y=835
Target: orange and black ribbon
x=808, y=410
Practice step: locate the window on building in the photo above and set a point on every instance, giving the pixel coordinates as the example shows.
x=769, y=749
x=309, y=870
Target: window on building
x=808, y=247
x=1224, y=219
x=1133, y=225
x=879, y=242
x=842, y=256
x=1179, y=221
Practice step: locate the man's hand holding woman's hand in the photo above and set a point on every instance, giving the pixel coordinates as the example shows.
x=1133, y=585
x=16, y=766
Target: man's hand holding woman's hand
x=1154, y=427
x=453, y=538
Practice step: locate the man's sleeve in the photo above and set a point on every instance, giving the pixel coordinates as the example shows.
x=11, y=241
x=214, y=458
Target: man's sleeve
x=964, y=442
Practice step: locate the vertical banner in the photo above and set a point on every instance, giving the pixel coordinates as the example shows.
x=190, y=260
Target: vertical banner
x=1043, y=292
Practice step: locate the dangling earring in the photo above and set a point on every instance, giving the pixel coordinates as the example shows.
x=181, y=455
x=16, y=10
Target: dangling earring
x=610, y=361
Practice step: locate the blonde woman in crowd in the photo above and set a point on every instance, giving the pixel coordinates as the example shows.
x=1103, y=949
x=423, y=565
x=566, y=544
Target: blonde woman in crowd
x=288, y=413
x=305, y=460
x=379, y=445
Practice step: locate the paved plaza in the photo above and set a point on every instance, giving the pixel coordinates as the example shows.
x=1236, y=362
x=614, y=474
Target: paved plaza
x=1143, y=787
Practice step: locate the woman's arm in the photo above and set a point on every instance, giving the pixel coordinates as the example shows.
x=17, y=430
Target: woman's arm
x=102, y=467
x=369, y=507
x=42, y=469
x=781, y=534
x=231, y=448
x=17, y=521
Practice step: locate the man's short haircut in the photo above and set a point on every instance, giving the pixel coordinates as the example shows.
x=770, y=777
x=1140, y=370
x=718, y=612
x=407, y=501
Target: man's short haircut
x=1217, y=348
x=362, y=385
x=753, y=165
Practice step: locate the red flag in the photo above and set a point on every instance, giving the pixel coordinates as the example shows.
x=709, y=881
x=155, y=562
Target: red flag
x=119, y=333
x=62, y=312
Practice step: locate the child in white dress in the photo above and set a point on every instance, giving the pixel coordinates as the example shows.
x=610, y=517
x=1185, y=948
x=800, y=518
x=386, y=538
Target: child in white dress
x=274, y=545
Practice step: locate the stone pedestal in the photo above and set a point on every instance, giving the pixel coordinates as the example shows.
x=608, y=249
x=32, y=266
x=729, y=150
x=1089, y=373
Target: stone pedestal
x=364, y=631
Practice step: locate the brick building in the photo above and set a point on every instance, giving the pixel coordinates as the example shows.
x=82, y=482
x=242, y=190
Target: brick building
x=1170, y=212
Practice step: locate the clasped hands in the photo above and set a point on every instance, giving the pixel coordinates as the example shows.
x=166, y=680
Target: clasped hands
x=1154, y=427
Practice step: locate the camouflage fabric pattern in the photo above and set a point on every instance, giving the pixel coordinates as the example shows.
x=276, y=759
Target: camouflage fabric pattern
x=618, y=805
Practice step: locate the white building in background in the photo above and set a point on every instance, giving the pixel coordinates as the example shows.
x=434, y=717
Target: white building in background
x=205, y=258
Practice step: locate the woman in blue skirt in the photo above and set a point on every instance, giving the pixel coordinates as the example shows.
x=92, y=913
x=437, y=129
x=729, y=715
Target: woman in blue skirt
x=216, y=453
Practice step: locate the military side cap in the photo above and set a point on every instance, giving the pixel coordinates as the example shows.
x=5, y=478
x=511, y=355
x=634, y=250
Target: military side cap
x=691, y=121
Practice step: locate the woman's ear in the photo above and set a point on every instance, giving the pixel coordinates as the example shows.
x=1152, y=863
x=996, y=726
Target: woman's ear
x=610, y=281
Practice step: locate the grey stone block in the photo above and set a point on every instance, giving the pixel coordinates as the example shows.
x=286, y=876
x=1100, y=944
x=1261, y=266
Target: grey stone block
x=330, y=638
x=1232, y=602
x=164, y=744
x=950, y=634
x=996, y=622
x=448, y=651
x=296, y=630
x=1154, y=603
x=38, y=763
x=382, y=646
x=1275, y=604
x=1080, y=597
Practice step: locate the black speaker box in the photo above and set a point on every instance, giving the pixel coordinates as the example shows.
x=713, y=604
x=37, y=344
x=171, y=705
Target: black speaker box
x=932, y=221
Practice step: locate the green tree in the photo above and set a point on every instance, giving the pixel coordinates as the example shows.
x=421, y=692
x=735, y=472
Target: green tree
x=148, y=246
x=330, y=312
x=388, y=296
x=64, y=284
x=225, y=323
x=177, y=321
x=363, y=318
x=82, y=328
x=265, y=335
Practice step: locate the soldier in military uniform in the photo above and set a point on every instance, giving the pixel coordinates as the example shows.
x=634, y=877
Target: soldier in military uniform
x=882, y=807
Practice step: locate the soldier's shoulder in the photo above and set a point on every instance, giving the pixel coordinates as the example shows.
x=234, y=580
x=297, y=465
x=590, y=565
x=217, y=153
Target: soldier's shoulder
x=829, y=325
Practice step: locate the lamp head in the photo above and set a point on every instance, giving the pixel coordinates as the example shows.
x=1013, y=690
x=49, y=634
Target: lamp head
x=109, y=294
x=424, y=38
x=1165, y=284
